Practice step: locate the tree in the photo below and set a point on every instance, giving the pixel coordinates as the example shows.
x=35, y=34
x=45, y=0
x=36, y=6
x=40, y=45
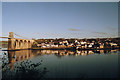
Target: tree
x=34, y=44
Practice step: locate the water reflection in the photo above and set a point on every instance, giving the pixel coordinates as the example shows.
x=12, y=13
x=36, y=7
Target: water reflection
x=24, y=70
x=61, y=53
x=16, y=56
x=19, y=62
x=17, y=65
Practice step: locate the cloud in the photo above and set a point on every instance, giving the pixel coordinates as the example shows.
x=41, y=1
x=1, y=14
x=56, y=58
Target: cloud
x=48, y=34
x=72, y=29
x=112, y=28
x=102, y=33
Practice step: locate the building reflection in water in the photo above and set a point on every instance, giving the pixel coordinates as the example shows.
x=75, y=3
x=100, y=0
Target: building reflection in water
x=14, y=56
x=20, y=67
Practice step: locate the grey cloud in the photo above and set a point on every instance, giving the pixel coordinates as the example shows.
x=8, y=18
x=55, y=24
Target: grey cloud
x=72, y=29
x=103, y=33
x=112, y=28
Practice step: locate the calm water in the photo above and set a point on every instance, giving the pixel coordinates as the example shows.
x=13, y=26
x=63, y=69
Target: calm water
x=60, y=64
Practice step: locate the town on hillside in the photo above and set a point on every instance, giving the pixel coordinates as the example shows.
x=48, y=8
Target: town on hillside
x=79, y=44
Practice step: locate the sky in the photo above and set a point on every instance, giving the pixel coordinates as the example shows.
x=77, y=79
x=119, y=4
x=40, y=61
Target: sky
x=60, y=19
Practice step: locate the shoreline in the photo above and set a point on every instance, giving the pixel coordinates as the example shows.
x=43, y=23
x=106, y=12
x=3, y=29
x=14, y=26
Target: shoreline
x=67, y=48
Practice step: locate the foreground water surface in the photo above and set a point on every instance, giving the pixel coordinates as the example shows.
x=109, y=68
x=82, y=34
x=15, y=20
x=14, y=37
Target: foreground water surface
x=60, y=64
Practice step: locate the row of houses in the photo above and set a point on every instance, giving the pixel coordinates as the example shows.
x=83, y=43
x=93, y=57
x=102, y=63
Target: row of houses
x=95, y=45
x=80, y=44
